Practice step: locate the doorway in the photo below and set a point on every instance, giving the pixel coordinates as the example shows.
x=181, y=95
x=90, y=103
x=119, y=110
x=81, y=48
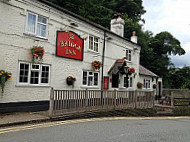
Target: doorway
x=115, y=80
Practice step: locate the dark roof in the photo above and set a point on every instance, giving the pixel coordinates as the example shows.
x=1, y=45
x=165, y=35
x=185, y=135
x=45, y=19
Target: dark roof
x=116, y=66
x=146, y=72
x=83, y=19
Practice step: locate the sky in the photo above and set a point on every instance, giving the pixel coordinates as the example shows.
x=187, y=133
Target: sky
x=172, y=16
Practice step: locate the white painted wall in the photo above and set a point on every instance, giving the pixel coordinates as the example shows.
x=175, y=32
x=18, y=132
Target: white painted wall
x=15, y=45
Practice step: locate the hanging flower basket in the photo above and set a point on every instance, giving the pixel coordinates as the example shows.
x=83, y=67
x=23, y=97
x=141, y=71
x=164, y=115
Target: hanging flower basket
x=37, y=53
x=96, y=65
x=154, y=86
x=4, y=76
x=139, y=85
x=70, y=80
x=132, y=70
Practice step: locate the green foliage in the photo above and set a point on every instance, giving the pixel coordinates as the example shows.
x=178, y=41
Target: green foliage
x=179, y=78
x=182, y=111
x=4, y=76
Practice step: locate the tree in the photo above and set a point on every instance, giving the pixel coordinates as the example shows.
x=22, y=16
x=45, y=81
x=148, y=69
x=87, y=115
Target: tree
x=157, y=58
x=179, y=78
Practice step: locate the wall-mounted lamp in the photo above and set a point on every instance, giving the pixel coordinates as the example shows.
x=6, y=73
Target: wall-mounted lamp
x=108, y=38
x=74, y=24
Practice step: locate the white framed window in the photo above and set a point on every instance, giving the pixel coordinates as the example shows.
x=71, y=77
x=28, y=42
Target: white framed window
x=36, y=25
x=90, y=78
x=94, y=43
x=33, y=74
x=147, y=83
x=128, y=55
x=130, y=81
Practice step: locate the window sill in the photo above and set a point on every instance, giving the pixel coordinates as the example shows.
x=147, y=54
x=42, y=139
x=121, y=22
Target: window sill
x=90, y=87
x=27, y=85
x=32, y=35
x=94, y=52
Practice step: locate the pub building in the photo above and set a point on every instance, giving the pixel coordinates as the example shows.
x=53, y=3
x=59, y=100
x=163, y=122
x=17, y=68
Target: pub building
x=45, y=46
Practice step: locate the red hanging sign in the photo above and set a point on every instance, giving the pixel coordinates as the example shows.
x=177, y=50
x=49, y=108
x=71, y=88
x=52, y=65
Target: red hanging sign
x=106, y=82
x=69, y=45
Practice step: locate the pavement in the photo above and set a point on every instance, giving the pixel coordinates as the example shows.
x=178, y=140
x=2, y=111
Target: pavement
x=18, y=118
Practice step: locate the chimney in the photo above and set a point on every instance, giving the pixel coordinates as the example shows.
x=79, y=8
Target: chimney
x=134, y=37
x=117, y=25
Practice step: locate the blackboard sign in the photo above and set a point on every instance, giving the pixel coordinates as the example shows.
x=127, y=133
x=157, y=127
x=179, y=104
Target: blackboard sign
x=181, y=101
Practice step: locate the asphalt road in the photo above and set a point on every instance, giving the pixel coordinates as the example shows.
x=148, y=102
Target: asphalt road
x=127, y=130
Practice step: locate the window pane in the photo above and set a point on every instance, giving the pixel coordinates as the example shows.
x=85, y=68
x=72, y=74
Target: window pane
x=96, y=47
x=90, y=73
x=91, y=43
x=31, y=23
x=42, y=19
x=90, y=81
x=129, y=57
x=45, y=74
x=41, y=30
x=35, y=66
x=95, y=39
x=95, y=79
x=34, y=77
x=23, y=73
x=131, y=82
x=84, y=82
x=125, y=81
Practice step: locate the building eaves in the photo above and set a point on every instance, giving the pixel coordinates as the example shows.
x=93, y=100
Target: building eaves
x=83, y=19
x=146, y=72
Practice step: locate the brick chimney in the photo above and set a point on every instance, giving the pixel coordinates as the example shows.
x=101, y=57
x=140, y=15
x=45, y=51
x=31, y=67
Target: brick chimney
x=134, y=37
x=117, y=25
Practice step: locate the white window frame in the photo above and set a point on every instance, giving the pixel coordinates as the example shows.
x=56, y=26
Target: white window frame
x=93, y=41
x=29, y=75
x=128, y=55
x=88, y=75
x=36, y=23
x=130, y=81
x=146, y=83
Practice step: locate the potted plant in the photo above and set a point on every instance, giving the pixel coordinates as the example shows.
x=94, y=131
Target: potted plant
x=96, y=65
x=37, y=53
x=70, y=80
x=154, y=86
x=4, y=76
x=139, y=85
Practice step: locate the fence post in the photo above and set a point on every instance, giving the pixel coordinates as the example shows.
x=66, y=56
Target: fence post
x=51, y=103
x=86, y=99
x=135, y=94
x=172, y=99
x=152, y=96
x=114, y=95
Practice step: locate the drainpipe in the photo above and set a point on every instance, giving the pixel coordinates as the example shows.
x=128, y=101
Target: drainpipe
x=102, y=78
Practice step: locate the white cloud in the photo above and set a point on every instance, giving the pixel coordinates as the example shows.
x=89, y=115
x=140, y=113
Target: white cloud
x=172, y=16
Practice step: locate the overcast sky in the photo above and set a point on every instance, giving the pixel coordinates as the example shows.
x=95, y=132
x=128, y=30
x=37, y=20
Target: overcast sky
x=172, y=16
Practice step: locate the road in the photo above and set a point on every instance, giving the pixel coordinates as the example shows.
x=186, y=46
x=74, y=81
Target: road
x=102, y=130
